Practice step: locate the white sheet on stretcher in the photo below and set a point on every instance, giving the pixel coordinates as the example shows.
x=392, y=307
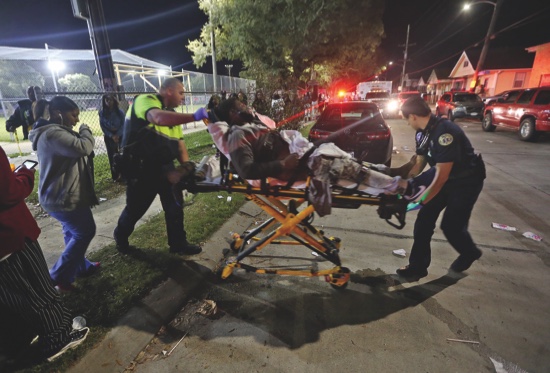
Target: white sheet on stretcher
x=299, y=145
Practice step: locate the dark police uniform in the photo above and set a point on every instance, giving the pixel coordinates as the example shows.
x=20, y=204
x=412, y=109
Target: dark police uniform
x=158, y=148
x=443, y=141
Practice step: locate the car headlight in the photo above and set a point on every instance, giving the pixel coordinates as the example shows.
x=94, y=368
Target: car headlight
x=392, y=105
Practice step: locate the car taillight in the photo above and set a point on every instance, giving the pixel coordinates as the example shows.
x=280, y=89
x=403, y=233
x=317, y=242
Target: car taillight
x=316, y=134
x=379, y=134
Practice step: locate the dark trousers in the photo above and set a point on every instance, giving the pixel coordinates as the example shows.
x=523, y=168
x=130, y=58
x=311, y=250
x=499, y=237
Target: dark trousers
x=26, y=291
x=458, y=202
x=112, y=148
x=140, y=194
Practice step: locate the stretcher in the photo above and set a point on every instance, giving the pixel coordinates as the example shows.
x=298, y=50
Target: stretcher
x=290, y=223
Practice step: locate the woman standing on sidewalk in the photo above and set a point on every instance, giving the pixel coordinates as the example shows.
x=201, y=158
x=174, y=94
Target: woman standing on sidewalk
x=111, y=119
x=66, y=187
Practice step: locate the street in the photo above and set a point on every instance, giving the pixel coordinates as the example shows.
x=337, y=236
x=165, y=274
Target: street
x=494, y=318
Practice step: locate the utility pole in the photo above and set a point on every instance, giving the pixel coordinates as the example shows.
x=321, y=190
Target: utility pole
x=479, y=67
x=405, y=59
x=92, y=12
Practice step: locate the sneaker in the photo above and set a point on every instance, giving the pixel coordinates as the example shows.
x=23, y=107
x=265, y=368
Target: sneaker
x=92, y=270
x=412, y=274
x=124, y=249
x=76, y=337
x=464, y=262
x=187, y=250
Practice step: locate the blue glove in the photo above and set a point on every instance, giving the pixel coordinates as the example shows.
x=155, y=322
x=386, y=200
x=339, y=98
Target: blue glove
x=414, y=206
x=200, y=114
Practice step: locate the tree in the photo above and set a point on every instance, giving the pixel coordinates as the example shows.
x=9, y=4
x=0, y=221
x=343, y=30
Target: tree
x=77, y=83
x=281, y=41
x=16, y=77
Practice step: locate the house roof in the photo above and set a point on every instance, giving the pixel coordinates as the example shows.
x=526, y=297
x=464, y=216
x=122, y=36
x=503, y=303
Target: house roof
x=502, y=58
x=119, y=56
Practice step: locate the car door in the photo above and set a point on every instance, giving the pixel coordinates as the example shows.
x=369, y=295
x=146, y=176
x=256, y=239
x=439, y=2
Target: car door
x=503, y=110
x=515, y=111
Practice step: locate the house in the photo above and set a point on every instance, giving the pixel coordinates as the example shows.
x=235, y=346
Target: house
x=540, y=74
x=439, y=82
x=504, y=69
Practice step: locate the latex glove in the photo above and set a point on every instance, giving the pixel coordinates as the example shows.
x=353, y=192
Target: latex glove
x=381, y=168
x=413, y=206
x=200, y=114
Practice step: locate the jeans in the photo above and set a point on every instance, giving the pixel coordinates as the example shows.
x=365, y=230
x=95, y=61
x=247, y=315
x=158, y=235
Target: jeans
x=140, y=194
x=78, y=231
x=458, y=202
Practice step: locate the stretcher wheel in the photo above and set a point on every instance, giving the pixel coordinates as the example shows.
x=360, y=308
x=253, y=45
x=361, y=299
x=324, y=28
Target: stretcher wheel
x=340, y=279
x=237, y=242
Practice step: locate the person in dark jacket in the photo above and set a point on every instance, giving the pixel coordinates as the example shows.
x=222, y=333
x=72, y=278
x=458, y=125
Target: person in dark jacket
x=111, y=120
x=458, y=182
x=66, y=186
x=26, y=291
x=23, y=114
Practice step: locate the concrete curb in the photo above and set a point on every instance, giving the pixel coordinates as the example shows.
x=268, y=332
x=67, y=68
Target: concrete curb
x=136, y=329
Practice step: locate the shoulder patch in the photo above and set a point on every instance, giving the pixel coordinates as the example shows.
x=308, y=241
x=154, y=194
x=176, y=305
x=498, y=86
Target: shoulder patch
x=445, y=139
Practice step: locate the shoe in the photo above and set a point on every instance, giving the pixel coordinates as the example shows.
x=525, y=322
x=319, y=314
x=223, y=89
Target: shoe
x=92, y=270
x=412, y=274
x=187, y=250
x=64, y=288
x=124, y=249
x=76, y=337
x=464, y=262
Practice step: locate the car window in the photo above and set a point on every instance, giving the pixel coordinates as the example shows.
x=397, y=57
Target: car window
x=377, y=95
x=526, y=97
x=405, y=96
x=445, y=97
x=349, y=113
x=467, y=97
x=511, y=97
x=543, y=98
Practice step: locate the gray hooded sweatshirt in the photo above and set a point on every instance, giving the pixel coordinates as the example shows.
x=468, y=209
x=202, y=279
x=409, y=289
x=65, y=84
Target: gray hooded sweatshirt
x=66, y=170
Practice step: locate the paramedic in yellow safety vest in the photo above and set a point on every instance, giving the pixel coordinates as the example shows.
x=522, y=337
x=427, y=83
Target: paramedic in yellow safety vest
x=153, y=134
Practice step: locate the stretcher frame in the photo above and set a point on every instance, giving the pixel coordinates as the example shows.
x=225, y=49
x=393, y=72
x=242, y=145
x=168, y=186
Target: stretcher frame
x=288, y=226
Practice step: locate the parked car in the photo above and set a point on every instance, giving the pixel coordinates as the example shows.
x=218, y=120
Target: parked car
x=403, y=96
x=358, y=129
x=490, y=99
x=388, y=107
x=459, y=104
x=524, y=110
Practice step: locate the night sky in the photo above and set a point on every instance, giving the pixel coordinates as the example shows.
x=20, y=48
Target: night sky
x=159, y=30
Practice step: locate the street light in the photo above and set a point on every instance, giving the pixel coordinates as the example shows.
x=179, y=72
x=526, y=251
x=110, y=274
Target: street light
x=229, y=67
x=55, y=66
x=496, y=7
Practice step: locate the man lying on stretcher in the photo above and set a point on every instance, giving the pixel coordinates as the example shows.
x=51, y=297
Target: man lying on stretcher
x=257, y=151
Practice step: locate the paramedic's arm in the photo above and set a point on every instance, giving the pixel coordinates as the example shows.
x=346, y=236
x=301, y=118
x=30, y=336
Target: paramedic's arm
x=443, y=170
x=168, y=118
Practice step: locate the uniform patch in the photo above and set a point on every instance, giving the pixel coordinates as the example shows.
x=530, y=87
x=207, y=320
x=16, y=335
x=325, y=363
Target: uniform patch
x=445, y=139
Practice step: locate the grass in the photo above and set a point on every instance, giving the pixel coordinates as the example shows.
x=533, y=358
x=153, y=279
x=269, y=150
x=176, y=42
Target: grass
x=125, y=279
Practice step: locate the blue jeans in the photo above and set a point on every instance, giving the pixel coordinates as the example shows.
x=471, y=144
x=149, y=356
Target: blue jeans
x=78, y=231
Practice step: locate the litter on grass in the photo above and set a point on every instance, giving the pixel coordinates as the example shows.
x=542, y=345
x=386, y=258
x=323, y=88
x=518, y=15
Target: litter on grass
x=400, y=253
x=533, y=236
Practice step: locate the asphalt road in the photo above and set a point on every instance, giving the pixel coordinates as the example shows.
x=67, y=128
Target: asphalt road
x=499, y=311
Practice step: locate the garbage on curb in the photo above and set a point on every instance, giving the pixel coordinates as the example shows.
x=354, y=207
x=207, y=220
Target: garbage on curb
x=533, y=236
x=208, y=308
x=504, y=227
x=400, y=253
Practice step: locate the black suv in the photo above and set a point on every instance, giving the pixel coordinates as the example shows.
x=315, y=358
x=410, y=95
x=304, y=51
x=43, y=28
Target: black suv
x=459, y=104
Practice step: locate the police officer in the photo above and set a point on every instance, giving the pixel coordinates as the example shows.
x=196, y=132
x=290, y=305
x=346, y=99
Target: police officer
x=457, y=184
x=153, y=132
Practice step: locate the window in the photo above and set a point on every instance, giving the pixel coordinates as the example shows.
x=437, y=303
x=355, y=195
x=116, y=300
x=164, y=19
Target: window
x=543, y=98
x=465, y=64
x=526, y=97
x=511, y=96
x=519, y=79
